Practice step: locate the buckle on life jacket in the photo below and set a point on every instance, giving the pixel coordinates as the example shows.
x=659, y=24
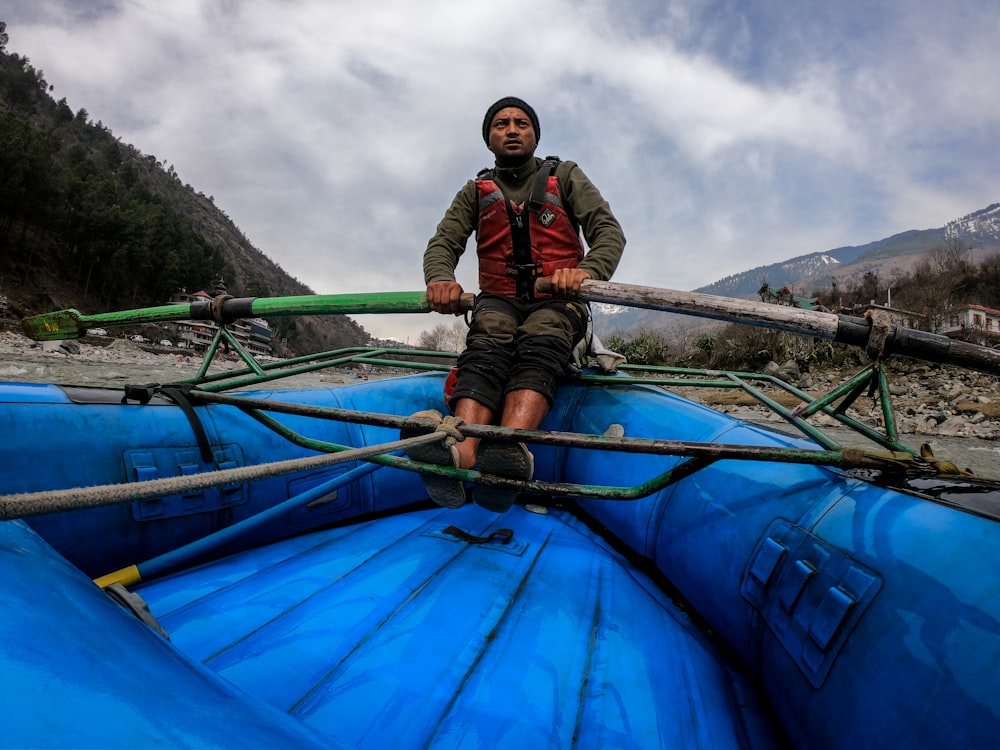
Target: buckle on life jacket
x=525, y=270
x=524, y=276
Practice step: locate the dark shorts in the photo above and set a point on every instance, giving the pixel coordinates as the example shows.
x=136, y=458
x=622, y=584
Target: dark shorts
x=514, y=345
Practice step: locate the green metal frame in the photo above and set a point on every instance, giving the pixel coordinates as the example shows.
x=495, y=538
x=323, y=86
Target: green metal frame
x=872, y=378
x=892, y=455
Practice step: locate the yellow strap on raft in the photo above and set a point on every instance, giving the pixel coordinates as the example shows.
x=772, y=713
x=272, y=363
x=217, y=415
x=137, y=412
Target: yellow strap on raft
x=126, y=577
x=942, y=466
x=926, y=464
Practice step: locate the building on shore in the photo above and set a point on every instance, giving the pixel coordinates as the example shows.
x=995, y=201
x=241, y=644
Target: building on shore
x=971, y=323
x=253, y=334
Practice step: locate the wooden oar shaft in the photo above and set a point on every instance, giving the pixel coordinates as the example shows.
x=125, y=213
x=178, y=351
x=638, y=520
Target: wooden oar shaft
x=844, y=329
x=795, y=320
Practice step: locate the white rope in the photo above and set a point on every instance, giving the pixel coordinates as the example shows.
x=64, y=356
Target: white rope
x=55, y=501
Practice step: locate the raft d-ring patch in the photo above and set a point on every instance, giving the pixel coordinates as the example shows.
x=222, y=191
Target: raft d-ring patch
x=810, y=594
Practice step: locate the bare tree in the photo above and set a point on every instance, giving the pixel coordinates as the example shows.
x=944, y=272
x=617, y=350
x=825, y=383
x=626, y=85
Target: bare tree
x=951, y=256
x=443, y=338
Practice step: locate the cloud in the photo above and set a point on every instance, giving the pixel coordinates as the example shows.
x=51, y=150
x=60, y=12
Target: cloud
x=725, y=134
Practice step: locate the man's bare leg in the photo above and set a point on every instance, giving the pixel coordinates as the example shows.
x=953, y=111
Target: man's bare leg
x=524, y=409
x=473, y=412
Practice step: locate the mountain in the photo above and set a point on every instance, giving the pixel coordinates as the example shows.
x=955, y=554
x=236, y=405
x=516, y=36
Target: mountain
x=820, y=267
x=87, y=221
x=981, y=226
x=978, y=232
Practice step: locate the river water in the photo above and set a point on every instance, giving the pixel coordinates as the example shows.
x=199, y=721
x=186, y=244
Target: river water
x=121, y=365
x=981, y=457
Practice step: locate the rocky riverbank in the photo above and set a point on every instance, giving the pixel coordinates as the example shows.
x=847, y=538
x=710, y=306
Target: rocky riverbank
x=932, y=400
x=111, y=361
x=928, y=399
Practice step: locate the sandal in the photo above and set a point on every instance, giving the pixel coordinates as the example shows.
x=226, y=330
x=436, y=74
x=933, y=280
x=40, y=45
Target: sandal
x=502, y=459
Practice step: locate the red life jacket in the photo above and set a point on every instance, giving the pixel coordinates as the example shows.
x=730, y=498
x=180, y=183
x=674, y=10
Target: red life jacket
x=516, y=243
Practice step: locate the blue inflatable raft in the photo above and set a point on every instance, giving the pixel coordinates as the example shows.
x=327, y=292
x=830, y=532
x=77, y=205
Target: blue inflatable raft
x=732, y=601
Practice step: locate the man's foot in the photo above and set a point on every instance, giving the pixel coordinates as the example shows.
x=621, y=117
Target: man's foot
x=448, y=493
x=503, y=459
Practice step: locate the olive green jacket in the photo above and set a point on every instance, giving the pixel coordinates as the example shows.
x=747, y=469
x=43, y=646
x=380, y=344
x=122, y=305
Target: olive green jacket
x=581, y=199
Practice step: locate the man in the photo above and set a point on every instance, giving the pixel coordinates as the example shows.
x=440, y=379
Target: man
x=527, y=214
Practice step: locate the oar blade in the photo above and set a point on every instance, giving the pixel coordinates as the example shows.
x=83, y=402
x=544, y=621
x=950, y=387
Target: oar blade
x=54, y=326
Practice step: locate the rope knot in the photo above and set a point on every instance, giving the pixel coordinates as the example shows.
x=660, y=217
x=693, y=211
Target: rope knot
x=448, y=425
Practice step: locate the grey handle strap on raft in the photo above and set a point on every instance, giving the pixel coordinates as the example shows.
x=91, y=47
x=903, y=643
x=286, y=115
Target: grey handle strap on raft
x=179, y=395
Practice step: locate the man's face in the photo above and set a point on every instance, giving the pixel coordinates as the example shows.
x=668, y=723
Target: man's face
x=512, y=137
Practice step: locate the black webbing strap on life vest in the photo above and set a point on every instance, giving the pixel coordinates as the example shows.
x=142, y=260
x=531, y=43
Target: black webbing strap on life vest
x=525, y=269
x=541, y=186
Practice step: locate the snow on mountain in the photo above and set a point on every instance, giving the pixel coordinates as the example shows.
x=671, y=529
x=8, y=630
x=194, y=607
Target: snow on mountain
x=608, y=310
x=982, y=225
x=777, y=275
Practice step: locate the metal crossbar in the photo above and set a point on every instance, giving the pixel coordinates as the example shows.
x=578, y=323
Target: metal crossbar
x=892, y=456
x=697, y=455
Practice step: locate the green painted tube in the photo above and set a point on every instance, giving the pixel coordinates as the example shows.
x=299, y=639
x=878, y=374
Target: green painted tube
x=72, y=324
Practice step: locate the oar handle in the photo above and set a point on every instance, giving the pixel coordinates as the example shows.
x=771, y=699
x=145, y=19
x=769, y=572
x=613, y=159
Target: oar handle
x=334, y=304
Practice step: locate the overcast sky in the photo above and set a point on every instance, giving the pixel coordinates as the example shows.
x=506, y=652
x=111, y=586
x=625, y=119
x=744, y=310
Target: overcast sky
x=725, y=135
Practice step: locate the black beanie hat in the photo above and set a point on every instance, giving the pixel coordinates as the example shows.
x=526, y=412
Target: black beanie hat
x=509, y=101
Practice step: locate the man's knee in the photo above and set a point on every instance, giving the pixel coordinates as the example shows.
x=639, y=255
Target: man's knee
x=566, y=320
x=491, y=328
x=539, y=363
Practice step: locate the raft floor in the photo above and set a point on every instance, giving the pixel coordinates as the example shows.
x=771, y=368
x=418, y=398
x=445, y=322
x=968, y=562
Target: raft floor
x=394, y=633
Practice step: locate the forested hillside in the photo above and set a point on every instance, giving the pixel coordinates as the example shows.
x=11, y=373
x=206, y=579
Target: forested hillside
x=87, y=221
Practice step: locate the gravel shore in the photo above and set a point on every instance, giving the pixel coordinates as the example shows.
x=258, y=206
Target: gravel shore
x=114, y=362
